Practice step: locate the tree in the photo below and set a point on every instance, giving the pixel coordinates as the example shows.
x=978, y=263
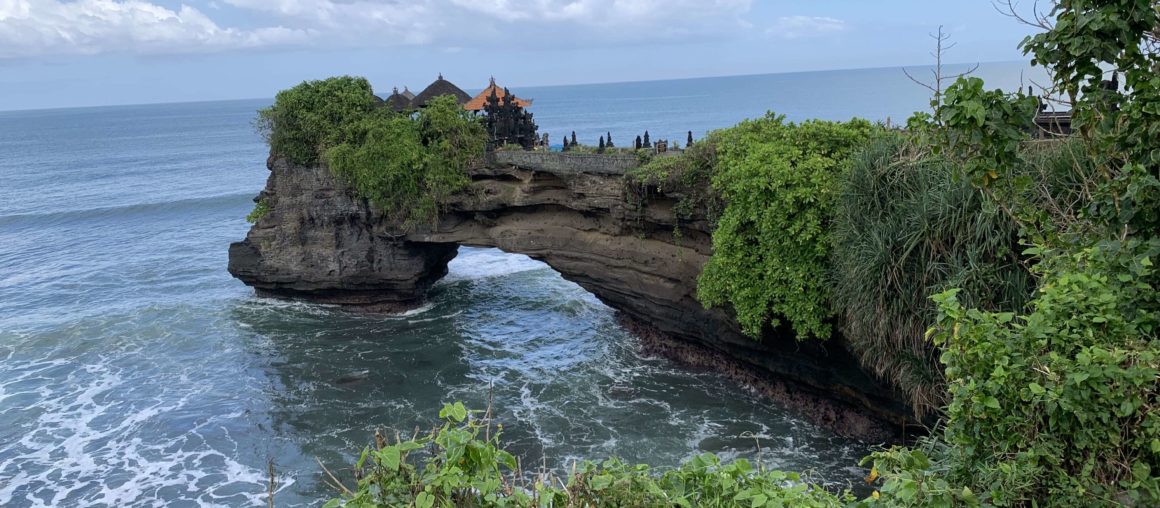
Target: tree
x=938, y=80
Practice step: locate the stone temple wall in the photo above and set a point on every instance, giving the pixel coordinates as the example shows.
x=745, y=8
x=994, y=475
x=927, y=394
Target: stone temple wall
x=561, y=163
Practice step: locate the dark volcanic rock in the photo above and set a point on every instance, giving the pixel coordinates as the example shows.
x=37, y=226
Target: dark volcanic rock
x=321, y=243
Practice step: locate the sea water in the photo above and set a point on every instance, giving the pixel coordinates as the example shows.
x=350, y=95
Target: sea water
x=134, y=371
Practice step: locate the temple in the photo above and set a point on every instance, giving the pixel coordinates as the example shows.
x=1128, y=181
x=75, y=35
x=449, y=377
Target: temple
x=506, y=119
x=479, y=102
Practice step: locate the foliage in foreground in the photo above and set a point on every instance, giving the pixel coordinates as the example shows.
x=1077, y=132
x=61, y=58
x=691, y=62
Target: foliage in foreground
x=772, y=244
x=406, y=165
x=461, y=464
x=1058, y=405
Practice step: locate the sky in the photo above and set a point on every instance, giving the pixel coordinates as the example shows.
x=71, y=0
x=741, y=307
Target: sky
x=65, y=53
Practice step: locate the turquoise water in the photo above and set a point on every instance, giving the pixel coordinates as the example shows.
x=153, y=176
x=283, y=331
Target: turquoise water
x=134, y=371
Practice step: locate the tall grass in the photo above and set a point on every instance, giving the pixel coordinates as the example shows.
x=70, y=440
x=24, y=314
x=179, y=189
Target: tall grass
x=905, y=228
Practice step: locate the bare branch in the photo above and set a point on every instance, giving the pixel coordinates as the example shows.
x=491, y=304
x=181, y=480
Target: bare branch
x=917, y=81
x=1038, y=19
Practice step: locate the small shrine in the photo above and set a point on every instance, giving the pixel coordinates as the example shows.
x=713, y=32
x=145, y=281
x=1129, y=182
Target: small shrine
x=506, y=119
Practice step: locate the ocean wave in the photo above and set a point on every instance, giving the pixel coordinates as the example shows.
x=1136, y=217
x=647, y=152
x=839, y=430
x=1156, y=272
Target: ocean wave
x=474, y=263
x=200, y=204
x=83, y=445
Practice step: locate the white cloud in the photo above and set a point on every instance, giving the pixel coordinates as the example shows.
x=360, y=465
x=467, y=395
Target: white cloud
x=40, y=27
x=796, y=27
x=47, y=27
x=508, y=22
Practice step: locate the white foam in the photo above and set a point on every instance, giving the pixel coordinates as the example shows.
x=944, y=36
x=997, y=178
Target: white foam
x=475, y=263
x=82, y=448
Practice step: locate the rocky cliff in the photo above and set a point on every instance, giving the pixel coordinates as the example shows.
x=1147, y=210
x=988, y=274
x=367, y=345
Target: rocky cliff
x=322, y=243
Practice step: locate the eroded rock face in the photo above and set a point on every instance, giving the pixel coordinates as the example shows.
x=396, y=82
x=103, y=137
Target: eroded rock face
x=321, y=243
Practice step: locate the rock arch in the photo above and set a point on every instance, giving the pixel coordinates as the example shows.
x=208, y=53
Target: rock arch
x=322, y=243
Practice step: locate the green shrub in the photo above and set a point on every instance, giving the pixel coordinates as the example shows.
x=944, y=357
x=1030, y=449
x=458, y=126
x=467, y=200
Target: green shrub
x=461, y=464
x=686, y=176
x=261, y=208
x=771, y=247
x=904, y=229
x=408, y=167
x=1060, y=406
x=307, y=119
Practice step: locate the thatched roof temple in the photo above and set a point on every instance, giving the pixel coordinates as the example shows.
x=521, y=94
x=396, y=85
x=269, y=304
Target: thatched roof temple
x=439, y=87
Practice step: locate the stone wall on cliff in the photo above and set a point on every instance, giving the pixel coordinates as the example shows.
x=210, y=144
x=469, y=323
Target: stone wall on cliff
x=320, y=242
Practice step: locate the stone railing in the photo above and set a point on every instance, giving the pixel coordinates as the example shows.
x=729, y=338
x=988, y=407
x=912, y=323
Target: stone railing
x=565, y=163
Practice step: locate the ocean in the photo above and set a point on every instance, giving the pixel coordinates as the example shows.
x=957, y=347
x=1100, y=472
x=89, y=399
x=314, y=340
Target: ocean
x=134, y=371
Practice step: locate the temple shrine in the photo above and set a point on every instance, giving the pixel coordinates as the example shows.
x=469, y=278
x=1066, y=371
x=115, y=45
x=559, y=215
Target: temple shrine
x=505, y=116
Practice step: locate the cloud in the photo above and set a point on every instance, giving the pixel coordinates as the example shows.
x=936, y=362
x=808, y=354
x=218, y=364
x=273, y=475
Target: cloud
x=797, y=27
x=511, y=23
x=43, y=27
x=30, y=28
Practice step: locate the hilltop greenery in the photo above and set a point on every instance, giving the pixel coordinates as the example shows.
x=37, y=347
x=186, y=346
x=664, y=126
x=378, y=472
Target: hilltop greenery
x=406, y=165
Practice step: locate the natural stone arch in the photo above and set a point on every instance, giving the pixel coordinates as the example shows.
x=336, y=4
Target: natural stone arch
x=322, y=243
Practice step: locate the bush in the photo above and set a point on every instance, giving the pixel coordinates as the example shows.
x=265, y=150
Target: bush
x=1058, y=405
x=307, y=119
x=1061, y=406
x=686, y=176
x=772, y=244
x=408, y=167
x=905, y=229
x=261, y=208
x=461, y=464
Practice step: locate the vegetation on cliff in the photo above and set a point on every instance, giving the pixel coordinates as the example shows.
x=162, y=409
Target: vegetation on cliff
x=1030, y=266
x=406, y=165
x=905, y=228
x=772, y=242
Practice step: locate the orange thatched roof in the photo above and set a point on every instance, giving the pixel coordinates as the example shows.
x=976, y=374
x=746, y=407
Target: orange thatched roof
x=477, y=103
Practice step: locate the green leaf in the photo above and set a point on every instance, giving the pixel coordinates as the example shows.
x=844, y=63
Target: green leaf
x=1036, y=389
x=424, y=500
x=758, y=500
x=991, y=402
x=389, y=458
x=600, y=482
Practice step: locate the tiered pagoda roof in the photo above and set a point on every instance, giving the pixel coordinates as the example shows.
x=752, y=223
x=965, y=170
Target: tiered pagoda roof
x=479, y=101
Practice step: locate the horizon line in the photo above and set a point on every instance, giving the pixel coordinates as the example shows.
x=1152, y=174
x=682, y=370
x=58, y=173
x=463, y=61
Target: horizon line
x=596, y=83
